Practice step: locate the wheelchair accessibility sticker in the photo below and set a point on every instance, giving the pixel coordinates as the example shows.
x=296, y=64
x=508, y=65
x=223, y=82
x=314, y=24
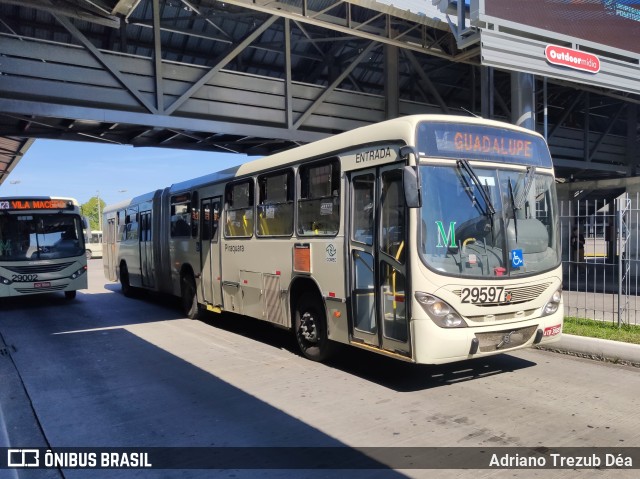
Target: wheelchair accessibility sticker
x=517, y=259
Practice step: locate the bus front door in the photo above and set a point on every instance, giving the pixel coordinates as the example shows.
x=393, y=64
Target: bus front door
x=377, y=255
x=209, y=254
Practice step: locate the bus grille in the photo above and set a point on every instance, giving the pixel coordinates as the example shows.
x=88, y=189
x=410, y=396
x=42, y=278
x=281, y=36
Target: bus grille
x=503, y=340
x=47, y=289
x=39, y=268
x=519, y=294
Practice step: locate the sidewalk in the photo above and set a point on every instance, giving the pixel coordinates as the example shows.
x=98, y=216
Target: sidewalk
x=600, y=349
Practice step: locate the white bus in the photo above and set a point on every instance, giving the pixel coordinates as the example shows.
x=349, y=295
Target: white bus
x=93, y=242
x=41, y=246
x=425, y=238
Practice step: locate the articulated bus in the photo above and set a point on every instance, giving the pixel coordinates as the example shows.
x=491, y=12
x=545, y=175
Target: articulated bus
x=425, y=238
x=41, y=246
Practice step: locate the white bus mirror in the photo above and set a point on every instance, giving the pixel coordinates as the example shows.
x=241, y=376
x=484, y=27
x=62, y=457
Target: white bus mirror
x=411, y=183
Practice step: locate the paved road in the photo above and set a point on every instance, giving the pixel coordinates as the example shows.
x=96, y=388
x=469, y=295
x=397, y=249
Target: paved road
x=105, y=370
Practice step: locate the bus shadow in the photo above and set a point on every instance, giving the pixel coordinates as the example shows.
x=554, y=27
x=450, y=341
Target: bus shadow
x=387, y=372
x=121, y=390
x=408, y=377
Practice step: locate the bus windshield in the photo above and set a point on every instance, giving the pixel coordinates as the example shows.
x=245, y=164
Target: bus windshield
x=503, y=222
x=40, y=236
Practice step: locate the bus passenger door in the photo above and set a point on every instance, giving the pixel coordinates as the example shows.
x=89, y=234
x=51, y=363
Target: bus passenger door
x=110, y=252
x=392, y=267
x=377, y=255
x=146, y=250
x=363, y=257
x=209, y=255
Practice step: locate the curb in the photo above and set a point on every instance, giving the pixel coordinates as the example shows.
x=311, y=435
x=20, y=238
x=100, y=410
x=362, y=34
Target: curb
x=602, y=349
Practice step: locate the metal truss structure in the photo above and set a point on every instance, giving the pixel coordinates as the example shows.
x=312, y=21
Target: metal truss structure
x=259, y=76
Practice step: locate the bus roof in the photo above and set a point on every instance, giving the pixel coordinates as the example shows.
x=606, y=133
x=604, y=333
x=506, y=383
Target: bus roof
x=398, y=129
x=402, y=129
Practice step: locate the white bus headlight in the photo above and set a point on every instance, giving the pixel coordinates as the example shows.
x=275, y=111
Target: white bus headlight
x=554, y=303
x=78, y=273
x=439, y=311
x=4, y=280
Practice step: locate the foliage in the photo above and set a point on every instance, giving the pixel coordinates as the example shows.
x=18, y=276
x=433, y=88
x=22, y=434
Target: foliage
x=627, y=333
x=90, y=210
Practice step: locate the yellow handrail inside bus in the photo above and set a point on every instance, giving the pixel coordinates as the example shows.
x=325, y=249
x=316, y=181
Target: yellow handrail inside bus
x=393, y=278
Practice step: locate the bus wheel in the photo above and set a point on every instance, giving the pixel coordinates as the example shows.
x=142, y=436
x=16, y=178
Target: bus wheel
x=311, y=329
x=127, y=289
x=70, y=294
x=189, y=298
x=88, y=254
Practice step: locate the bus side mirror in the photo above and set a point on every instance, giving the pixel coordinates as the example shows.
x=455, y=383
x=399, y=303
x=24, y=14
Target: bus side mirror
x=411, y=183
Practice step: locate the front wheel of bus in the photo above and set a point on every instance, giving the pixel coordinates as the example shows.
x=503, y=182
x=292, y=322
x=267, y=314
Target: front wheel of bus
x=189, y=297
x=70, y=294
x=311, y=329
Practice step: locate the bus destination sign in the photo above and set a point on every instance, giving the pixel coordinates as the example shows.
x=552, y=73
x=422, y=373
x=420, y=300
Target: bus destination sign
x=449, y=140
x=34, y=204
x=492, y=144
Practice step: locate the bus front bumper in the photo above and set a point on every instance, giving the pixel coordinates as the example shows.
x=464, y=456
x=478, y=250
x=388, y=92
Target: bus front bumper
x=436, y=345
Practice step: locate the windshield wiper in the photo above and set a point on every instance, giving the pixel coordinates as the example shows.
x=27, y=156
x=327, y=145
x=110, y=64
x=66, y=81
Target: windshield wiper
x=464, y=165
x=513, y=207
x=528, y=181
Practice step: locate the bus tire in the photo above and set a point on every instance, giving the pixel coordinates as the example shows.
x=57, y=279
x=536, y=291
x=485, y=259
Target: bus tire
x=70, y=294
x=190, y=306
x=88, y=253
x=127, y=289
x=311, y=329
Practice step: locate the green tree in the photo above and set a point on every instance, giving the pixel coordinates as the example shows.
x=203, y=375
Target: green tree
x=90, y=210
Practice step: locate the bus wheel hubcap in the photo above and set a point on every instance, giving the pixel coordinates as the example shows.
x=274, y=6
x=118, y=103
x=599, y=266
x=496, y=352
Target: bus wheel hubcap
x=308, y=328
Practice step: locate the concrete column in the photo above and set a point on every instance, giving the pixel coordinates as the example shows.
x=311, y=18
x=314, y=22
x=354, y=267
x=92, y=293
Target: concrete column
x=391, y=90
x=522, y=100
x=486, y=89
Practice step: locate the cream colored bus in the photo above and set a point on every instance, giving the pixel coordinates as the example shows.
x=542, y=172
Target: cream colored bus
x=425, y=238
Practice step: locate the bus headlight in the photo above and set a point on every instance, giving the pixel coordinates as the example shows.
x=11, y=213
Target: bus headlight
x=554, y=303
x=4, y=280
x=440, y=311
x=78, y=273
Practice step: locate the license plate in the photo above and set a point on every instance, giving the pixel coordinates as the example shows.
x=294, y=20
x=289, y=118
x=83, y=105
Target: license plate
x=42, y=284
x=552, y=330
x=485, y=294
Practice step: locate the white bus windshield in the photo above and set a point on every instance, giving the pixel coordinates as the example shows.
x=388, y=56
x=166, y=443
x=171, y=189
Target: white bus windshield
x=31, y=237
x=510, y=229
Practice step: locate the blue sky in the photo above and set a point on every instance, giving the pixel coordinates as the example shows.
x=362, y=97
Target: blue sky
x=81, y=169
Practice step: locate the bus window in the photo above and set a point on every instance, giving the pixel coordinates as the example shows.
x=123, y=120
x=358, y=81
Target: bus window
x=131, y=224
x=181, y=215
x=121, y=226
x=275, y=204
x=319, y=203
x=195, y=214
x=362, y=215
x=239, y=200
x=392, y=215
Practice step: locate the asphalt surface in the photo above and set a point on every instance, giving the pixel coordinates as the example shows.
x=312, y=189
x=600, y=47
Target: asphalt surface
x=118, y=359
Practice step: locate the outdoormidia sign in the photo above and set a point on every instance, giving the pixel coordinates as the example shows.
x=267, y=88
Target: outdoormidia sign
x=576, y=59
